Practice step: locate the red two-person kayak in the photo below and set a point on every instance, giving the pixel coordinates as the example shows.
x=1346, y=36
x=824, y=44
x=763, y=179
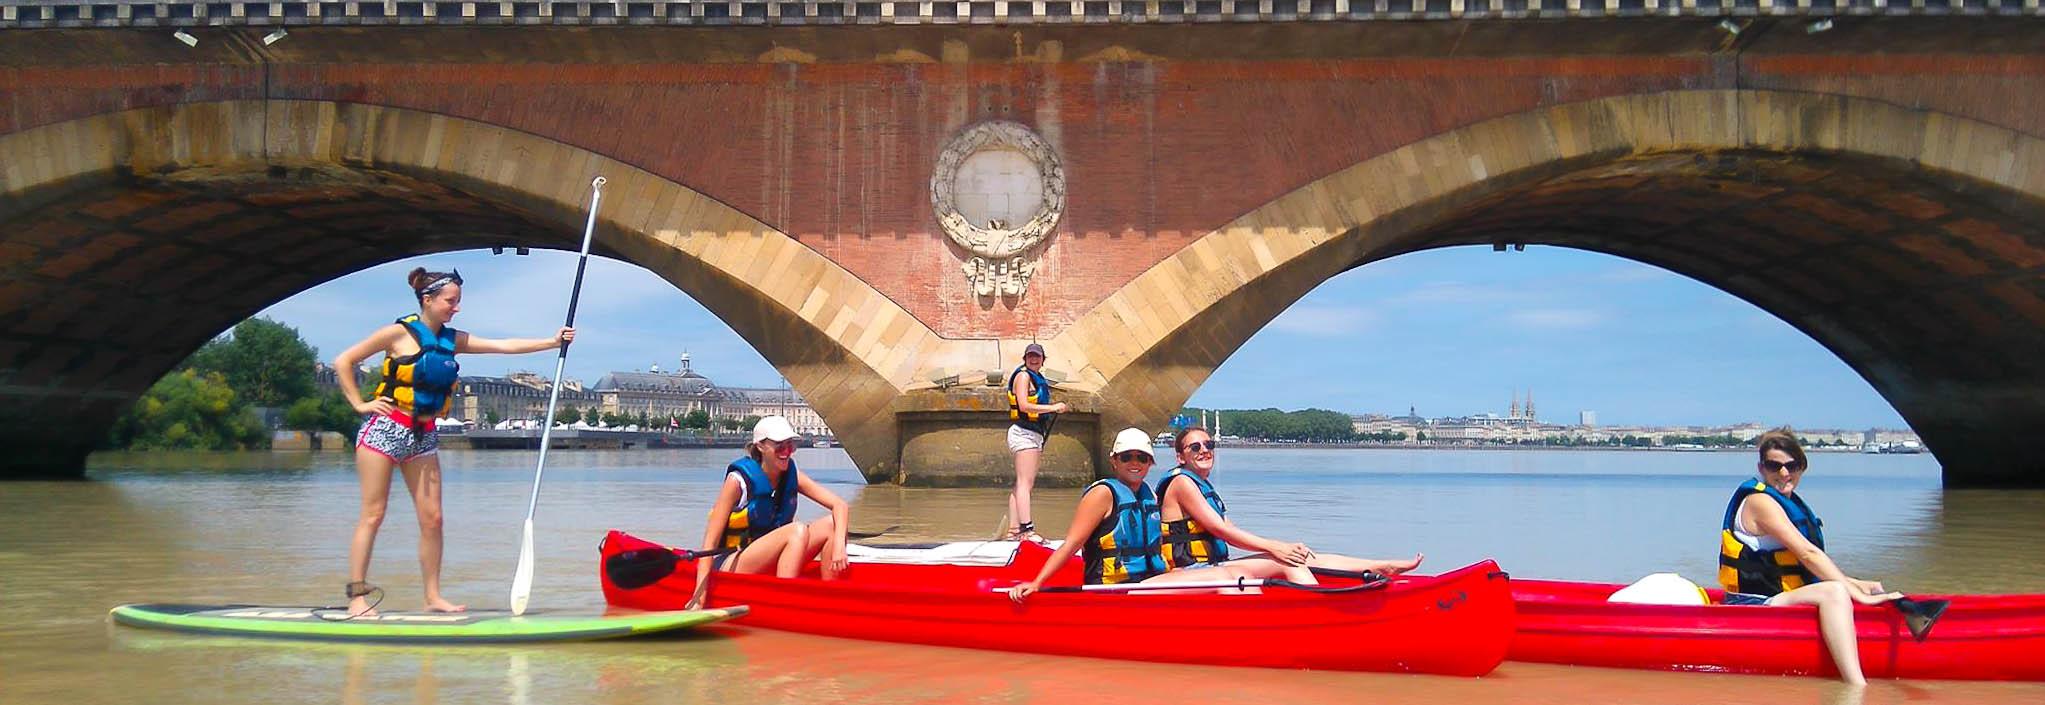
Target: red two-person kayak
x=1458, y=623
x=1998, y=637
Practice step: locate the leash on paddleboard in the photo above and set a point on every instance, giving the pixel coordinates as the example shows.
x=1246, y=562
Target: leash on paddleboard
x=359, y=588
x=522, y=578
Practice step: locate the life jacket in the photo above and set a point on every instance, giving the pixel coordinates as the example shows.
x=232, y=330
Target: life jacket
x=1030, y=422
x=767, y=506
x=1186, y=542
x=1124, y=548
x=1767, y=573
x=421, y=382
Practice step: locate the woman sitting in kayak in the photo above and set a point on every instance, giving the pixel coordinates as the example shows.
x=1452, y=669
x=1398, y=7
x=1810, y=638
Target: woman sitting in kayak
x=1772, y=552
x=754, y=514
x=1197, y=531
x=1116, y=531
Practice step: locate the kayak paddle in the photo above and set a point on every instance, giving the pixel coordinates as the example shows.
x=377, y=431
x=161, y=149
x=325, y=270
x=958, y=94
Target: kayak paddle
x=639, y=568
x=864, y=535
x=522, y=578
x=1920, y=615
x=1211, y=585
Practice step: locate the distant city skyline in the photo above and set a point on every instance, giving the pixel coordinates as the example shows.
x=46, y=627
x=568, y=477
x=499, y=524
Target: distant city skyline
x=1449, y=332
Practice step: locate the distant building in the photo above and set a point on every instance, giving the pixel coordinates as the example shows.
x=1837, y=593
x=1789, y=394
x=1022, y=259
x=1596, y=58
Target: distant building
x=1587, y=418
x=742, y=402
x=660, y=394
x=519, y=396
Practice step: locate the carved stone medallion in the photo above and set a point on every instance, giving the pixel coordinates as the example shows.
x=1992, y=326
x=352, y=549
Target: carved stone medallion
x=998, y=191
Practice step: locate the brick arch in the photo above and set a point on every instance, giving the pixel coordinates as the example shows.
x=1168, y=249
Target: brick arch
x=135, y=236
x=1915, y=237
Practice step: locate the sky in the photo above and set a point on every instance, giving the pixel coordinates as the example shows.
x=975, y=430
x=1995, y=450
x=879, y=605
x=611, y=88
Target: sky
x=1447, y=332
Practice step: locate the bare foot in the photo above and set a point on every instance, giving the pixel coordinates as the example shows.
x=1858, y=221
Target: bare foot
x=359, y=607
x=1397, y=567
x=437, y=604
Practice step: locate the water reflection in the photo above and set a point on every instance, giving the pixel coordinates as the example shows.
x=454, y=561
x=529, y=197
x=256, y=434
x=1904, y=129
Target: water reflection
x=272, y=528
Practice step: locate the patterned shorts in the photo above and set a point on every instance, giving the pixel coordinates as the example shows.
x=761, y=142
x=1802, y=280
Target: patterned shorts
x=394, y=439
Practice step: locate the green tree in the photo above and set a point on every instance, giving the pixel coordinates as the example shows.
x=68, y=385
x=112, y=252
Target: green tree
x=327, y=412
x=592, y=416
x=188, y=410
x=492, y=418
x=266, y=362
x=696, y=419
x=567, y=415
x=611, y=419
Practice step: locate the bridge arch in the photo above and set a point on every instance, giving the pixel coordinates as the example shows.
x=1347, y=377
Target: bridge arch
x=133, y=237
x=1909, y=243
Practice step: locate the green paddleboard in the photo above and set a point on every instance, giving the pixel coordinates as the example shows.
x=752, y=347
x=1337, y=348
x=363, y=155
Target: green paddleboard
x=473, y=627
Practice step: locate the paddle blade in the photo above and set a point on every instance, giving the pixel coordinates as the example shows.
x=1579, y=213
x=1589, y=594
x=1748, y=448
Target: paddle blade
x=522, y=579
x=638, y=568
x=1920, y=615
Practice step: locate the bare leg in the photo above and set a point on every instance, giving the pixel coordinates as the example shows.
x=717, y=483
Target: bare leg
x=1375, y=565
x=1835, y=624
x=1025, y=482
x=765, y=553
x=422, y=478
x=819, y=534
x=373, y=471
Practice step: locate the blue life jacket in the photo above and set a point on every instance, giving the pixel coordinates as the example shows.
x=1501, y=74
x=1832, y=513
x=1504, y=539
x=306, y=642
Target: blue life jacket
x=1744, y=569
x=1186, y=542
x=1029, y=421
x=767, y=506
x=1125, y=547
x=420, y=383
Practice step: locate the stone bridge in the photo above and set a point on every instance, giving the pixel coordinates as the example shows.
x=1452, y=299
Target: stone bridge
x=890, y=199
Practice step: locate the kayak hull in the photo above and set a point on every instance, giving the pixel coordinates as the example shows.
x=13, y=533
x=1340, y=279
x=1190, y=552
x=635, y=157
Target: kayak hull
x=1459, y=623
x=1979, y=637
x=474, y=627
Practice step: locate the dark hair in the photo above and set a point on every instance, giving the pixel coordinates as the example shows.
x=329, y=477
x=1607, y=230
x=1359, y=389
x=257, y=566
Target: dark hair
x=1179, y=444
x=420, y=279
x=1782, y=439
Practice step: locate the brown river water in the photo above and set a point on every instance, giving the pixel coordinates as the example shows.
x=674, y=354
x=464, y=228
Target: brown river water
x=273, y=528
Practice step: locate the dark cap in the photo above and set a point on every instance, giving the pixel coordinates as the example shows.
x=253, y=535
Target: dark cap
x=1033, y=349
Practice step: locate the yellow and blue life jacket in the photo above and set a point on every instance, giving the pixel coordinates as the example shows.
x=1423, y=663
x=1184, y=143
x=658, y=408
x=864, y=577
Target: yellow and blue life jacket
x=767, y=506
x=1125, y=547
x=1028, y=421
x=421, y=382
x=1186, y=542
x=1766, y=573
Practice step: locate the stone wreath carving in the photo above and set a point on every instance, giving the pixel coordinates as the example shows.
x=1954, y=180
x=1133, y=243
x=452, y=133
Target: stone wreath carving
x=1002, y=256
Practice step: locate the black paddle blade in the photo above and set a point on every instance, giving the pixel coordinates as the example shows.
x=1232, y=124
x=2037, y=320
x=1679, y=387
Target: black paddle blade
x=639, y=568
x=1920, y=615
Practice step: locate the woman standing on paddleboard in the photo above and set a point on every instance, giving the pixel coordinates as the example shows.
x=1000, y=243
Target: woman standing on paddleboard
x=1030, y=406
x=419, y=374
x=754, y=514
x=1116, y=532
x=1772, y=552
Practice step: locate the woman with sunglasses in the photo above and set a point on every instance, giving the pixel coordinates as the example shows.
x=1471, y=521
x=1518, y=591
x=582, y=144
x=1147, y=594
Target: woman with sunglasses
x=1116, y=532
x=1772, y=552
x=419, y=374
x=1197, y=532
x=754, y=514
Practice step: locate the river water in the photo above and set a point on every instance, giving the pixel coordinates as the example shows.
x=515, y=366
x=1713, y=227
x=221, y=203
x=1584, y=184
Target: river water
x=272, y=528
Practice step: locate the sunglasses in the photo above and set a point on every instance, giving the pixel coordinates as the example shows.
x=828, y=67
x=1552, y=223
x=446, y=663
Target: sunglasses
x=1198, y=446
x=1777, y=465
x=1129, y=456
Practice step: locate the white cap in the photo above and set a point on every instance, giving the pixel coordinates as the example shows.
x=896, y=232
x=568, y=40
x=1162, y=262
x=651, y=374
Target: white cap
x=1131, y=439
x=773, y=428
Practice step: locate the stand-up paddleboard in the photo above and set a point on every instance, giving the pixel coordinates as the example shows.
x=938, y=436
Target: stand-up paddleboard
x=473, y=627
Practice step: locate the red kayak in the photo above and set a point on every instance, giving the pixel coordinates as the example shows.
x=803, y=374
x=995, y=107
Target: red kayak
x=1458, y=623
x=2000, y=637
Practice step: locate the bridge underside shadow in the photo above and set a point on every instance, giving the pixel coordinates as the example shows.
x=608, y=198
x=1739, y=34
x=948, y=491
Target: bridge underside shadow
x=119, y=279
x=1930, y=285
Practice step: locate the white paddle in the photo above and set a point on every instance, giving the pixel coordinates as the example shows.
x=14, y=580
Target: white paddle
x=522, y=579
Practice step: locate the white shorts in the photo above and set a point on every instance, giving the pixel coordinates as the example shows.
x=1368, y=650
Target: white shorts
x=1021, y=439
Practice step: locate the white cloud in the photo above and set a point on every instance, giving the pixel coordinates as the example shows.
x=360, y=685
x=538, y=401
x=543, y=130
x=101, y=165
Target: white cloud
x=1555, y=318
